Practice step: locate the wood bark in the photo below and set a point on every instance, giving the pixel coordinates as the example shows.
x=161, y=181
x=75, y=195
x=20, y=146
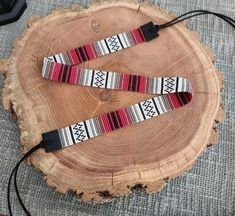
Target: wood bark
x=146, y=154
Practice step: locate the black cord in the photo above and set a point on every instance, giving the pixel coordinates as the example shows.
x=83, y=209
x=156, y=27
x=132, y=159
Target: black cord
x=198, y=12
x=194, y=14
x=14, y=172
x=42, y=145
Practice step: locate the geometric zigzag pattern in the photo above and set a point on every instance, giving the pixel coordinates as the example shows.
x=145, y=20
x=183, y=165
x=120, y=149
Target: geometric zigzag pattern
x=99, y=48
x=174, y=92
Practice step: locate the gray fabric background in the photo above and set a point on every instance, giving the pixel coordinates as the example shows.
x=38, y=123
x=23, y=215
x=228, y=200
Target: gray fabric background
x=207, y=189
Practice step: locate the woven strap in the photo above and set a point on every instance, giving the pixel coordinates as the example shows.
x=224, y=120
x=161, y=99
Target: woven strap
x=175, y=91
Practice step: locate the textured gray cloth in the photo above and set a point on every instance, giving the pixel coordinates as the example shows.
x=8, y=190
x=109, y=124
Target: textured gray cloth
x=207, y=189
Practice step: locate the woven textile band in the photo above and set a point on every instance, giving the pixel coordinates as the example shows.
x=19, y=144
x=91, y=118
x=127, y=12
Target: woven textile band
x=175, y=91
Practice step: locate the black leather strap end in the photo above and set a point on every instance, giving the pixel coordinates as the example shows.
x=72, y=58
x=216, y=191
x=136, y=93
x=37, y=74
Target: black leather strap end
x=51, y=141
x=150, y=31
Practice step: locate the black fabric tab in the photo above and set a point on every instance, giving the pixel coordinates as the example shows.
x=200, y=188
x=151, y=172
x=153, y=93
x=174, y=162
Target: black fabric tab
x=51, y=141
x=150, y=31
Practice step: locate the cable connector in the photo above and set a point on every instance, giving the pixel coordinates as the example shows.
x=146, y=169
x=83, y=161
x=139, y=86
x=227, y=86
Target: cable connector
x=150, y=31
x=51, y=141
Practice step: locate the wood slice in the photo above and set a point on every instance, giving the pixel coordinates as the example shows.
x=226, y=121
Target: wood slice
x=145, y=154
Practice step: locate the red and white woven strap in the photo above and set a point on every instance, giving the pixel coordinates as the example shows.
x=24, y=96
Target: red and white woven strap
x=175, y=91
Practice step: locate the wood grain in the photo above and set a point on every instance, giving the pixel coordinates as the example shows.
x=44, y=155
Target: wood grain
x=143, y=155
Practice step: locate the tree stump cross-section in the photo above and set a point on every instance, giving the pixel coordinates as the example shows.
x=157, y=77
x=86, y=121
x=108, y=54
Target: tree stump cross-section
x=145, y=154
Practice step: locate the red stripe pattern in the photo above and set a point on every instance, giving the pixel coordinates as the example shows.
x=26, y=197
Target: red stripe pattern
x=175, y=91
x=100, y=48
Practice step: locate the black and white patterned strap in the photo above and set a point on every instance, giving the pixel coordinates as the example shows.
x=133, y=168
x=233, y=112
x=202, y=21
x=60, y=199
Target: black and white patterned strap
x=175, y=91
